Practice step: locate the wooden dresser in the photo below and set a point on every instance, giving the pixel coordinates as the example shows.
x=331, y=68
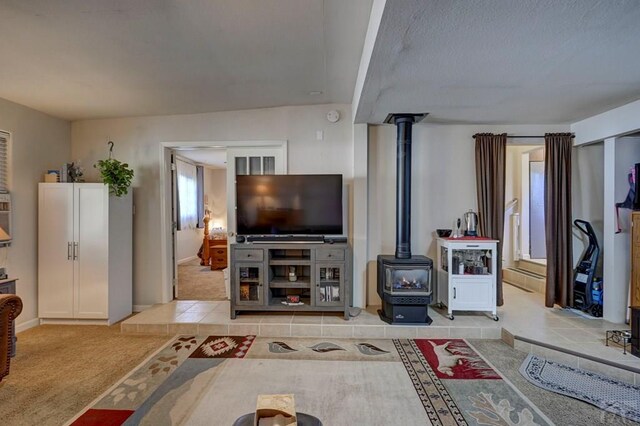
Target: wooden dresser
x=218, y=253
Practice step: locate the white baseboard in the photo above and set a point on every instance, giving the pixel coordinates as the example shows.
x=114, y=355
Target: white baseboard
x=63, y=321
x=27, y=325
x=140, y=308
x=187, y=259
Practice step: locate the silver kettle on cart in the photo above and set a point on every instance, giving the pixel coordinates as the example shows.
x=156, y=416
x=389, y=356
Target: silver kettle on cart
x=471, y=224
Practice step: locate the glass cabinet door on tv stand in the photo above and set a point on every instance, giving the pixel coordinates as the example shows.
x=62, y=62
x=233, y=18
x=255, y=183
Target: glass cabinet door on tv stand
x=249, y=290
x=329, y=285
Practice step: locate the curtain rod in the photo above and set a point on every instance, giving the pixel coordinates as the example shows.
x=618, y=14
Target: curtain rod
x=526, y=137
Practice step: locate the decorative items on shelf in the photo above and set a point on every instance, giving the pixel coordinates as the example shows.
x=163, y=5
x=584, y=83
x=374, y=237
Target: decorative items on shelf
x=74, y=172
x=69, y=172
x=115, y=174
x=293, y=298
x=292, y=274
x=52, y=176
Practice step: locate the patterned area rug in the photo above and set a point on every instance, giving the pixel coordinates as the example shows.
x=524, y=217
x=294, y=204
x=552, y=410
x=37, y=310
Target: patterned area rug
x=216, y=379
x=457, y=387
x=601, y=391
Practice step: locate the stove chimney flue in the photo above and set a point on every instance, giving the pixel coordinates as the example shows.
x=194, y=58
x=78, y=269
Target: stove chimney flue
x=404, y=124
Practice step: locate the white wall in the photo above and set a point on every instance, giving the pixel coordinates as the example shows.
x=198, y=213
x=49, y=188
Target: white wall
x=137, y=141
x=619, y=155
x=215, y=189
x=616, y=122
x=188, y=242
x=588, y=196
x=443, y=184
x=607, y=127
x=39, y=142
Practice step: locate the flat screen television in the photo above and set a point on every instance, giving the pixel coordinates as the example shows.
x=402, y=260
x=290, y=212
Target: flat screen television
x=289, y=205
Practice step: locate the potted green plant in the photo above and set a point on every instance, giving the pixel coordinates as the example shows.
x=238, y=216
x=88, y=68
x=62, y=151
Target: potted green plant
x=116, y=174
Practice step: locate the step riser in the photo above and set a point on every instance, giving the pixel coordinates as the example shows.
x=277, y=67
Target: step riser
x=536, y=268
x=523, y=280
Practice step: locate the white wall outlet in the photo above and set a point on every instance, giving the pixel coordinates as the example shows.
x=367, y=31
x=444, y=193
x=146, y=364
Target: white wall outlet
x=319, y=135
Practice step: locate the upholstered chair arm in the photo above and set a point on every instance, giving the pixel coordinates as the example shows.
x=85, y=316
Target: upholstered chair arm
x=10, y=308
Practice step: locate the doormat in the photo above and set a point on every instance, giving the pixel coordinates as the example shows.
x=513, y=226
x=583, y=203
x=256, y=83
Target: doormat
x=601, y=391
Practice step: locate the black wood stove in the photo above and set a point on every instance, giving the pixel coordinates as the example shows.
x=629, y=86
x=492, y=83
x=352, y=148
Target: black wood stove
x=404, y=281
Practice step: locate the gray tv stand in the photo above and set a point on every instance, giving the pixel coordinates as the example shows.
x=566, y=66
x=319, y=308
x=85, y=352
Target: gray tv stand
x=260, y=277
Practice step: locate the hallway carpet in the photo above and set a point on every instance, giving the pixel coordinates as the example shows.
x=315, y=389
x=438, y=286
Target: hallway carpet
x=59, y=369
x=197, y=282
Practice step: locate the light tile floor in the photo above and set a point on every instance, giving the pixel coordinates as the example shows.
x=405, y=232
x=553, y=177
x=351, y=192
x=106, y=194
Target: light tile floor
x=523, y=314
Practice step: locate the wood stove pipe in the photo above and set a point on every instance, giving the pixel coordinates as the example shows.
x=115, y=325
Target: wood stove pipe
x=404, y=123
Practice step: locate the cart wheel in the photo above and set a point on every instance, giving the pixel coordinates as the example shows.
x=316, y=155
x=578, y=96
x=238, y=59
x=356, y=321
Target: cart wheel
x=450, y=317
x=495, y=318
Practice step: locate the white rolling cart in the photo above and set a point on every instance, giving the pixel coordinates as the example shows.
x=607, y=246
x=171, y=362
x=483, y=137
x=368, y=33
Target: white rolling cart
x=466, y=274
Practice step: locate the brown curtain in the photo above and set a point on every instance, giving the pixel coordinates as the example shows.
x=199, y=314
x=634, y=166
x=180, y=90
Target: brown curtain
x=557, y=212
x=490, y=177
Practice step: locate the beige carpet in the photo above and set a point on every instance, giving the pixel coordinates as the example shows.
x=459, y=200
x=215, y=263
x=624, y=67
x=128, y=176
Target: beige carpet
x=196, y=282
x=60, y=369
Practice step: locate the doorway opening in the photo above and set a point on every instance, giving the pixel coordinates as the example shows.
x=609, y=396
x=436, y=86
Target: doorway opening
x=524, y=247
x=537, y=243
x=199, y=206
x=270, y=155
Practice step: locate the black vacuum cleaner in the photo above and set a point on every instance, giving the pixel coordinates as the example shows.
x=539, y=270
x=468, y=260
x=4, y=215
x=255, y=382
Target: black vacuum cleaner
x=587, y=290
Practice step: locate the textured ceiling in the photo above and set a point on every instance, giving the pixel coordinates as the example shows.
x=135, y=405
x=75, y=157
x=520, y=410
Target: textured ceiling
x=526, y=61
x=79, y=59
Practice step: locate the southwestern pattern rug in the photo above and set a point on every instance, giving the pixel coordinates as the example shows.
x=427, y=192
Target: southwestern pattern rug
x=213, y=380
x=601, y=391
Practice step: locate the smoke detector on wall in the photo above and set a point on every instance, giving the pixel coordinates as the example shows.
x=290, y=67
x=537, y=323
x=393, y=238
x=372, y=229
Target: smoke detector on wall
x=333, y=116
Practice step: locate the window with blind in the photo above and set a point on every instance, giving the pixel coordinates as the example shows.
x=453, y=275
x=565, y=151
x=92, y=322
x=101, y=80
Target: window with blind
x=187, y=195
x=4, y=162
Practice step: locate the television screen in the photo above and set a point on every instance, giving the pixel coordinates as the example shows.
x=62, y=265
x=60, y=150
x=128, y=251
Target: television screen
x=289, y=205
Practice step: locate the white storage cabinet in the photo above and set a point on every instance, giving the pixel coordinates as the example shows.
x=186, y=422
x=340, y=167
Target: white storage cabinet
x=471, y=287
x=84, y=253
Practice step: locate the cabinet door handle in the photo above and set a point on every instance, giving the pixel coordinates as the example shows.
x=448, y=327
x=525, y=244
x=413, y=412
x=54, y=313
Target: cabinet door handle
x=454, y=292
x=75, y=251
x=68, y=251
